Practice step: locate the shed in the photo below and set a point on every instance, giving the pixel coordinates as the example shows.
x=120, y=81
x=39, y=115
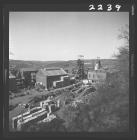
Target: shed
x=47, y=76
x=31, y=71
x=12, y=83
x=28, y=75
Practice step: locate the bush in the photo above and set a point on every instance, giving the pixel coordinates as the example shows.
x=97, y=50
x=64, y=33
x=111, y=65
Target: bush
x=36, y=99
x=53, y=126
x=11, y=107
x=107, y=110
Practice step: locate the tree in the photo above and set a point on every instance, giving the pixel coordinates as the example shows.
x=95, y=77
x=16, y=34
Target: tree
x=123, y=59
x=123, y=55
x=68, y=114
x=108, y=110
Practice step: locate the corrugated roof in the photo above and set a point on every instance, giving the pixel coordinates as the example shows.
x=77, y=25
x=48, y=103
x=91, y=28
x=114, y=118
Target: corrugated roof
x=52, y=68
x=52, y=71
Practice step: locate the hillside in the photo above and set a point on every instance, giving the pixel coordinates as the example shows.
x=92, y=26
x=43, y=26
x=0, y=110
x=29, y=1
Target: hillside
x=110, y=63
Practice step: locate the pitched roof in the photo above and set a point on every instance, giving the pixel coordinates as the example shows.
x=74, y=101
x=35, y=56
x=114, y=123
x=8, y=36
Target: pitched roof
x=53, y=71
x=28, y=69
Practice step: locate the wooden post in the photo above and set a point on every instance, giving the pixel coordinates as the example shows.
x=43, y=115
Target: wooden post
x=48, y=114
x=58, y=103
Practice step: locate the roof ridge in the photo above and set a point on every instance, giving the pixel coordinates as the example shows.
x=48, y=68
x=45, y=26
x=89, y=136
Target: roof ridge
x=52, y=72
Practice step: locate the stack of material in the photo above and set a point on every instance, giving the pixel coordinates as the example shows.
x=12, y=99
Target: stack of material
x=59, y=84
x=66, y=81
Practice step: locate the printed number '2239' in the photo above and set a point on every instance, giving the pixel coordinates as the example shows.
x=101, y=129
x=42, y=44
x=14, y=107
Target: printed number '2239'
x=100, y=7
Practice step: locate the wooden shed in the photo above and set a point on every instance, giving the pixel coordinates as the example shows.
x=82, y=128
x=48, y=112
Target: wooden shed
x=28, y=75
x=12, y=83
x=47, y=76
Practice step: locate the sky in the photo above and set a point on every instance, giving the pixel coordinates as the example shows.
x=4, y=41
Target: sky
x=48, y=36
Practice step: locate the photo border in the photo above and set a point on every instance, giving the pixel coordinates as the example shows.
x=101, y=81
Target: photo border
x=62, y=7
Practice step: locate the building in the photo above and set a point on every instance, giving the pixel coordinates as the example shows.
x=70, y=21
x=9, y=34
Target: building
x=47, y=76
x=12, y=83
x=63, y=82
x=28, y=75
x=97, y=76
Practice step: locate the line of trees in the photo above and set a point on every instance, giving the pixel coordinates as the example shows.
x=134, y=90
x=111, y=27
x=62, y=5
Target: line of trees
x=108, y=109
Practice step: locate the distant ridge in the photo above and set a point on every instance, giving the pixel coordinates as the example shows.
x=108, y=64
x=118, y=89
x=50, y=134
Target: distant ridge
x=63, y=64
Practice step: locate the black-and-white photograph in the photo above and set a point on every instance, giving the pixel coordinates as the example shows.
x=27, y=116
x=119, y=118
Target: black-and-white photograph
x=68, y=71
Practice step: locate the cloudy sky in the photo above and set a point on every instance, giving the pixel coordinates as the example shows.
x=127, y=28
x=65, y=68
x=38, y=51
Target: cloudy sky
x=50, y=36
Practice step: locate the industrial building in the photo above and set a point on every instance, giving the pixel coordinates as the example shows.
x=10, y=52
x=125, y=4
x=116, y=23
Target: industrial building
x=28, y=75
x=97, y=76
x=12, y=82
x=47, y=76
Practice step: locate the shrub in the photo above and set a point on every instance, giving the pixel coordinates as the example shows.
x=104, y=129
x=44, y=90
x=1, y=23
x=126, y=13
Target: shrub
x=11, y=107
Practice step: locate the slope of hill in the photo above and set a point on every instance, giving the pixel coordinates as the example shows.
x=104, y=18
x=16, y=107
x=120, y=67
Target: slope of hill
x=110, y=63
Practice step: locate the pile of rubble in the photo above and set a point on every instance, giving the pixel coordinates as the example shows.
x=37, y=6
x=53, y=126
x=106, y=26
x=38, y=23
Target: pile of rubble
x=44, y=111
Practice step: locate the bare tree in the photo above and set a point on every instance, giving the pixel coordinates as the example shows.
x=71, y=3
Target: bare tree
x=123, y=55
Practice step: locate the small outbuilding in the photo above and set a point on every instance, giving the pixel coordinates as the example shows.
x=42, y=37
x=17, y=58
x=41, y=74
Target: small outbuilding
x=28, y=75
x=12, y=83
